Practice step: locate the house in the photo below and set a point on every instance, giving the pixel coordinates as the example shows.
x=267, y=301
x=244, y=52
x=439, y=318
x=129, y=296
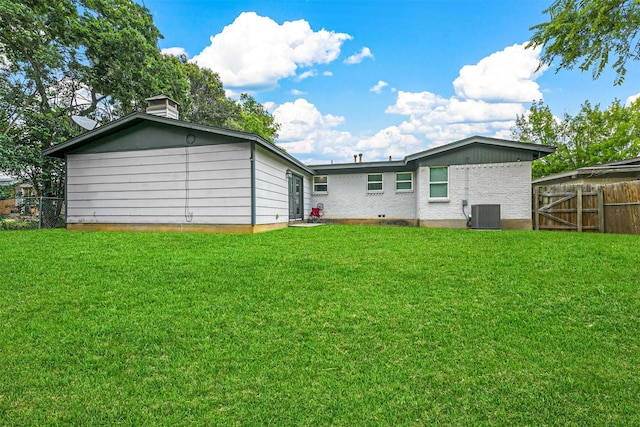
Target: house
x=606, y=173
x=13, y=194
x=433, y=188
x=151, y=171
x=7, y=193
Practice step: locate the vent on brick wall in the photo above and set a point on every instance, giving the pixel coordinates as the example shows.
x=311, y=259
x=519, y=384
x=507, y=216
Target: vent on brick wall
x=485, y=217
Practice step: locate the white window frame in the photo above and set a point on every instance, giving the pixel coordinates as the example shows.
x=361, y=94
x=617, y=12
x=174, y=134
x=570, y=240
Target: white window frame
x=381, y=182
x=325, y=183
x=404, y=181
x=439, y=198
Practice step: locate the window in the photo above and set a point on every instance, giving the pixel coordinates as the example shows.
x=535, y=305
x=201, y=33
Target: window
x=439, y=182
x=320, y=184
x=374, y=182
x=404, y=181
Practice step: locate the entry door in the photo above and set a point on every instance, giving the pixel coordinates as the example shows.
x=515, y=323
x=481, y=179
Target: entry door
x=295, y=197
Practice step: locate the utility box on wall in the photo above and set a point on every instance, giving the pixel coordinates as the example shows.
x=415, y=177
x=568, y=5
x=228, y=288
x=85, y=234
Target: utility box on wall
x=485, y=217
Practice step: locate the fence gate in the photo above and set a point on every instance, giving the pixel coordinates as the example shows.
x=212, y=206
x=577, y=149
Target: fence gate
x=606, y=208
x=569, y=208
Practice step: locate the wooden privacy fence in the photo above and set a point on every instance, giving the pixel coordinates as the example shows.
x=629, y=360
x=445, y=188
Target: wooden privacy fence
x=611, y=208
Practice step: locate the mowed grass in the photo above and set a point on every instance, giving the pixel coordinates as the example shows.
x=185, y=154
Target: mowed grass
x=331, y=325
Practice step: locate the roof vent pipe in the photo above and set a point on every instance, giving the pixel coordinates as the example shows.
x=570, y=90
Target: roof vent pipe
x=360, y=155
x=162, y=106
x=355, y=158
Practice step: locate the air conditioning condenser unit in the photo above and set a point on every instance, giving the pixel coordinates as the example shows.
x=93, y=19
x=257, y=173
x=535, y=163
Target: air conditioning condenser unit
x=485, y=217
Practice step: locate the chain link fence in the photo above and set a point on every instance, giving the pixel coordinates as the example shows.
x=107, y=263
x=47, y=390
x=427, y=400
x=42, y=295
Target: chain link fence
x=25, y=213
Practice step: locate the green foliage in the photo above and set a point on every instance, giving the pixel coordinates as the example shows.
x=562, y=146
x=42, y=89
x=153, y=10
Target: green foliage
x=21, y=147
x=343, y=326
x=592, y=137
x=99, y=59
x=18, y=224
x=96, y=58
x=590, y=34
x=255, y=119
x=205, y=101
x=6, y=193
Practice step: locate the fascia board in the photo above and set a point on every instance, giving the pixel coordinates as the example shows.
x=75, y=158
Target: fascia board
x=135, y=118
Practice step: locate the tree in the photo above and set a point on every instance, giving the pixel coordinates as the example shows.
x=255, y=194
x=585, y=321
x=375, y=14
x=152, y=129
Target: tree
x=255, y=119
x=99, y=59
x=205, y=102
x=592, y=137
x=96, y=58
x=588, y=32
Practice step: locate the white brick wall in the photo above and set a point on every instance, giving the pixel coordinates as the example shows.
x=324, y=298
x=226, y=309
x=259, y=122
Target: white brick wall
x=348, y=198
x=506, y=184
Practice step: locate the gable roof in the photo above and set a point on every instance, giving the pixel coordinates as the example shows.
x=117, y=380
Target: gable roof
x=627, y=162
x=472, y=150
x=135, y=119
x=620, y=169
x=538, y=150
x=448, y=154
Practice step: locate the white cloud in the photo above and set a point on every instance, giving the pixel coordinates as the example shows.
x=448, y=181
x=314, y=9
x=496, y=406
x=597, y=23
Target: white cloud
x=632, y=99
x=377, y=88
x=409, y=103
x=306, y=75
x=269, y=106
x=388, y=142
x=327, y=73
x=255, y=51
x=297, y=92
x=489, y=96
x=305, y=131
x=440, y=120
x=478, y=108
x=357, y=58
x=174, y=51
x=300, y=119
x=507, y=75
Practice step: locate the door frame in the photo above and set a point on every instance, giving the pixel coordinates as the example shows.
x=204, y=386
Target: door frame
x=296, y=201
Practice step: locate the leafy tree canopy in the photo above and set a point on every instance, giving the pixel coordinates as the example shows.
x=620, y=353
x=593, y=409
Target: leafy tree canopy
x=589, y=34
x=99, y=59
x=592, y=137
x=96, y=58
x=206, y=103
x=255, y=119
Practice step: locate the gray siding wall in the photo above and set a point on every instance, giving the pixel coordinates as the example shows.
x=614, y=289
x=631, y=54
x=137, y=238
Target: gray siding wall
x=198, y=184
x=348, y=198
x=272, y=188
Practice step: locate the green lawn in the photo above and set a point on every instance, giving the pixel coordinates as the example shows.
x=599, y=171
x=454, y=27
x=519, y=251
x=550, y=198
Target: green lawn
x=331, y=325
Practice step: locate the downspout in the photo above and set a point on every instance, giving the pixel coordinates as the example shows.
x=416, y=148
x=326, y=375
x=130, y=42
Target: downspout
x=465, y=202
x=252, y=159
x=66, y=191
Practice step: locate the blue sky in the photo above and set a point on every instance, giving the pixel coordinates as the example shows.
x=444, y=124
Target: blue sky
x=379, y=77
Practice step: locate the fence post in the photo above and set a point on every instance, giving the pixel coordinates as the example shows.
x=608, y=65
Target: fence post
x=40, y=213
x=601, y=209
x=579, y=208
x=536, y=207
